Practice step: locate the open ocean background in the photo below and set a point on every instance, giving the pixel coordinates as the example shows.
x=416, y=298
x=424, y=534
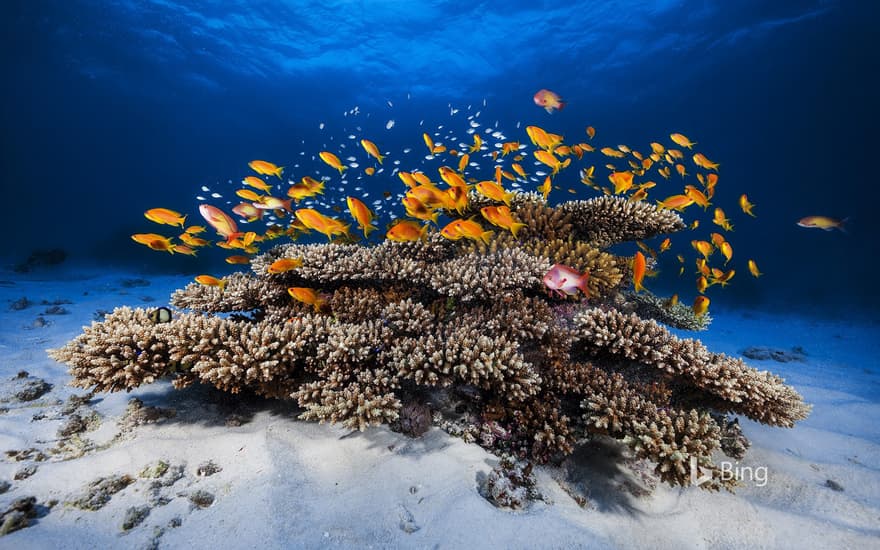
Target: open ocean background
x=113, y=107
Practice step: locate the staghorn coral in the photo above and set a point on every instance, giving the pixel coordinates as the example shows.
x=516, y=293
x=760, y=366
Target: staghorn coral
x=461, y=332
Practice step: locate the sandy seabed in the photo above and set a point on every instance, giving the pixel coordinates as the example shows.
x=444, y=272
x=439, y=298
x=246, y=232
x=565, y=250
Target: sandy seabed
x=199, y=469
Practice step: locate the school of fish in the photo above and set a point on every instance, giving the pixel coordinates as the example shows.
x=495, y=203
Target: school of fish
x=275, y=201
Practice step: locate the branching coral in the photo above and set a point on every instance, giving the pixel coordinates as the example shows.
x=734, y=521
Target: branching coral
x=534, y=374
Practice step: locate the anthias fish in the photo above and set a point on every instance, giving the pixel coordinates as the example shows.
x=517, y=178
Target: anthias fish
x=565, y=281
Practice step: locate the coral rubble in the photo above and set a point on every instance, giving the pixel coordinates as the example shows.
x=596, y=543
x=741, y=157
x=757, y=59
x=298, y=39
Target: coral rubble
x=402, y=324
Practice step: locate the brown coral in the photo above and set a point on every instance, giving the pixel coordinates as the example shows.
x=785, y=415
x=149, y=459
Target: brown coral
x=533, y=374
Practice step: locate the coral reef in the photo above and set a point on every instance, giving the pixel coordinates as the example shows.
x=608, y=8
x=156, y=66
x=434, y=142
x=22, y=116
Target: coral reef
x=461, y=334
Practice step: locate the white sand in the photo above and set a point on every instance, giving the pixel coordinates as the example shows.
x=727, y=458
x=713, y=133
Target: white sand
x=286, y=483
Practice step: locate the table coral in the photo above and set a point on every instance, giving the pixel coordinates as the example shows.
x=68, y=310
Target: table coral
x=403, y=321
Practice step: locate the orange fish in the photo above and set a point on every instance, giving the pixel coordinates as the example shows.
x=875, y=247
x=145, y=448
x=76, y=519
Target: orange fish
x=371, y=150
x=676, y=202
x=703, y=248
x=429, y=142
x=319, y=222
x=208, y=280
x=545, y=187
x=332, y=161
x=492, y=190
x=720, y=219
x=697, y=196
x=472, y=230
x=478, y=144
x=500, y=216
x=701, y=161
x=665, y=245
x=284, y=265
x=257, y=183
x=591, y=132
x=680, y=169
x=745, y=205
x=307, y=296
x=406, y=231
x=547, y=158
x=548, y=100
x=266, y=168
x=369, y=170
x=165, y=216
x=419, y=210
x=701, y=305
x=220, y=221
x=248, y=194
x=639, y=268
x=622, y=181
x=154, y=241
x=753, y=269
x=240, y=260
x=463, y=162
x=702, y=284
x=543, y=139
x=361, y=214
x=726, y=251
x=681, y=140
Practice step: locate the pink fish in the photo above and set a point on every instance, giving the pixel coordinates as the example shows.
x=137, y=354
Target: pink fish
x=564, y=280
x=220, y=221
x=548, y=100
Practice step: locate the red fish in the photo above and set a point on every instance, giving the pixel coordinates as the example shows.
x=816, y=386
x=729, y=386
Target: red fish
x=564, y=280
x=548, y=100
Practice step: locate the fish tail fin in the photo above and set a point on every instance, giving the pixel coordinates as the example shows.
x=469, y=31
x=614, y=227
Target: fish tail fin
x=842, y=225
x=277, y=173
x=485, y=236
x=583, y=283
x=342, y=169
x=562, y=105
x=183, y=221
x=515, y=228
x=369, y=229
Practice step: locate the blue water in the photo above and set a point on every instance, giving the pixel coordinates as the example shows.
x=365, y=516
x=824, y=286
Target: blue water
x=113, y=107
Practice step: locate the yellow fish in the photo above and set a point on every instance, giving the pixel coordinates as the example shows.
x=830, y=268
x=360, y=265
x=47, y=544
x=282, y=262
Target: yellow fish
x=676, y=202
x=478, y=144
x=429, y=142
x=405, y=231
x=720, y=219
x=681, y=140
x=753, y=269
x=703, y=248
x=332, y=161
x=547, y=158
x=165, y=216
x=701, y=305
x=266, y=168
x=622, y=181
x=284, y=265
x=701, y=161
x=545, y=187
x=248, y=195
x=639, y=267
x=361, y=214
x=307, y=296
x=240, y=260
x=257, y=183
x=745, y=205
x=611, y=152
x=371, y=150
x=208, y=280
